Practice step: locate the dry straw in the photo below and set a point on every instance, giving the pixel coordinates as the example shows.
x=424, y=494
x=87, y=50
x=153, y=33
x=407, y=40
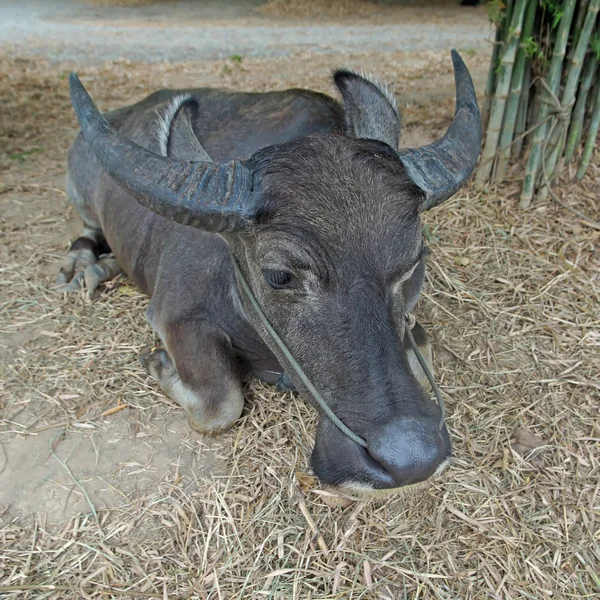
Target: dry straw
x=347, y=9
x=511, y=301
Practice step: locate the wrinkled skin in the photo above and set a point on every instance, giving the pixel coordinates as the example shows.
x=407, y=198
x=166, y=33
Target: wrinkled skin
x=329, y=241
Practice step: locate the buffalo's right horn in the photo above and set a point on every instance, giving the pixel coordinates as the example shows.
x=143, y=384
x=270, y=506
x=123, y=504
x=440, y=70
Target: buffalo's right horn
x=207, y=195
x=442, y=168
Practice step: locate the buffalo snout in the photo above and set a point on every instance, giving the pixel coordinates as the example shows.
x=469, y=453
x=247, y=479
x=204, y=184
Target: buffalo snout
x=403, y=451
x=410, y=450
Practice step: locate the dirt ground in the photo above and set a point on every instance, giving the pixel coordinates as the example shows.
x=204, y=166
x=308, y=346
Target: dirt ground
x=191, y=30
x=106, y=493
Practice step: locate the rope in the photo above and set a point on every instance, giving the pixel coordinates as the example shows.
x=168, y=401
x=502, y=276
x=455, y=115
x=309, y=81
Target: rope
x=306, y=381
x=410, y=322
x=561, y=112
x=294, y=364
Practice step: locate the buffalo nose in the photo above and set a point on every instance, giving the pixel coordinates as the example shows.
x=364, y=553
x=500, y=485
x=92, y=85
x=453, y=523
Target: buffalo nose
x=410, y=450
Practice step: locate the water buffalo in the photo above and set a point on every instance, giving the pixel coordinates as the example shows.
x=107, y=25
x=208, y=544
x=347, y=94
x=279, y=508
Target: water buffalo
x=309, y=203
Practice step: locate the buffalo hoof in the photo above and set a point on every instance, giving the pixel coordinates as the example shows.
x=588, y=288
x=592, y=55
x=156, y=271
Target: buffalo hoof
x=285, y=384
x=200, y=428
x=82, y=268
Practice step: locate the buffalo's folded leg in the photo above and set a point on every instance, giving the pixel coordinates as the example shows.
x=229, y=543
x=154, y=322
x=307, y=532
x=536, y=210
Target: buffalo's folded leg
x=83, y=267
x=424, y=346
x=104, y=270
x=199, y=372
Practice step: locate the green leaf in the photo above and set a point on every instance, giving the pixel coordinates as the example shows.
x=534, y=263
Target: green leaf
x=496, y=11
x=22, y=156
x=555, y=8
x=532, y=48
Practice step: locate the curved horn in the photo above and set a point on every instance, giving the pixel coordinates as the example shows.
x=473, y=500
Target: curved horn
x=207, y=195
x=442, y=168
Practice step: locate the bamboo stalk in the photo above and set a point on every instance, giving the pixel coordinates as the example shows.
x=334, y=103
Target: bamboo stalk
x=533, y=164
x=512, y=105
x=578, y=25
x=523, y=111
x=571, y=85
x=574, y=138
x=590, y=142
x=508, y=13
x=491, y=79
x=499, y=42
x=501, y=94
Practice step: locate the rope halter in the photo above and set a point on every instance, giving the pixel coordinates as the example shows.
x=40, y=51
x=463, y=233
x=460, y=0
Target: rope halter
x=410, y=323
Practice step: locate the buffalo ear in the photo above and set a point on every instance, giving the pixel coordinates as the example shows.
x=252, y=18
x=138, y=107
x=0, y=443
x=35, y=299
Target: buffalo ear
x=371, y=111
x=175, y=131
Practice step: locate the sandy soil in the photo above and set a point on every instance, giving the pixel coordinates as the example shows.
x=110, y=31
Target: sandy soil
x=108, y=462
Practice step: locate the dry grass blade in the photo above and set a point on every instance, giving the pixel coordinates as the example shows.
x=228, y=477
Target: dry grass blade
x=512, y=303
x=315, y=530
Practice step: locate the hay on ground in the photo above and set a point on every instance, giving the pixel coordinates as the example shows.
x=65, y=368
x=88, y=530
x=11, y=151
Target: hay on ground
x=512, y=304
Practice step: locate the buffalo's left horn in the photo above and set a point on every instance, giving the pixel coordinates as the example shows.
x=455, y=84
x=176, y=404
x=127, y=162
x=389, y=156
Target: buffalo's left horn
x=442, y=168
x=207, y=195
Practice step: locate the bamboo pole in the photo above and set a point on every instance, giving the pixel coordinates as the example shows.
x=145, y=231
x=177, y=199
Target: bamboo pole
x=522, y=113
x=506, y=19
x=512, y=105
x=578, y=25
x=571, y=85
x=590, y=142
x=491, y=79
x=499, y=42
x=574, y=138
x=533, y=164
x=501, y=94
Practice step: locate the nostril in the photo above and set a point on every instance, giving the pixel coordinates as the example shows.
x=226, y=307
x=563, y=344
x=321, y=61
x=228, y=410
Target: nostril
x=409, y=450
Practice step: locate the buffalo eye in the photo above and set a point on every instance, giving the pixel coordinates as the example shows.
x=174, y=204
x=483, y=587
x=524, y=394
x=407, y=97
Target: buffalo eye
x=278, y=279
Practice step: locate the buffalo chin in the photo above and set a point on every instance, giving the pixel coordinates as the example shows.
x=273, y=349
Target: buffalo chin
x=365, y=491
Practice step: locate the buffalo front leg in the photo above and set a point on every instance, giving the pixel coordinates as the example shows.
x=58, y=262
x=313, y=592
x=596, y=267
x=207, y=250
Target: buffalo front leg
x=198, y=371
x=88, y=263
